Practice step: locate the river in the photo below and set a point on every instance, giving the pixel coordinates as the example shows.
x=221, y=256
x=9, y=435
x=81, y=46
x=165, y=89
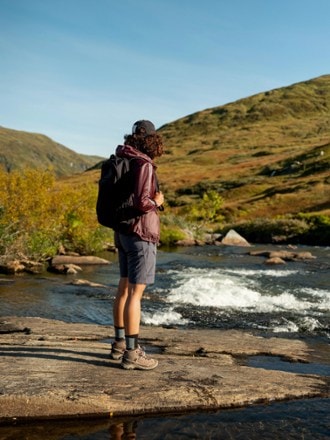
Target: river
x=210, y=286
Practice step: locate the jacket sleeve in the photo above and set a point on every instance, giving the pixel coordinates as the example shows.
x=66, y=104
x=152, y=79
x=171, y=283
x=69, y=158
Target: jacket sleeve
x=144, y=187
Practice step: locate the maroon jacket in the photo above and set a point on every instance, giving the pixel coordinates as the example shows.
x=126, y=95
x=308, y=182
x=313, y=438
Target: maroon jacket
x=147, y=225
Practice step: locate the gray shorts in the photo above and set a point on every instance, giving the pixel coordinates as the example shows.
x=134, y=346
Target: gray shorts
x=137, y=259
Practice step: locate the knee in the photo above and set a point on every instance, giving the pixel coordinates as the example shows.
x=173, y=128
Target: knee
x=136, y=290
x=123, y=287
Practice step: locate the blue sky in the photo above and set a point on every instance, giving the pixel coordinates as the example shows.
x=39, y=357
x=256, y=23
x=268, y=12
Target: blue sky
x=82, y=71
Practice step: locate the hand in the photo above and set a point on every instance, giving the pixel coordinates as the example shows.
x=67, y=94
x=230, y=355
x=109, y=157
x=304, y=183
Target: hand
x=159, y=198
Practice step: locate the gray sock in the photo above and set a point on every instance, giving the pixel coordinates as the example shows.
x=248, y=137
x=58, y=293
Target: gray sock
x=119, y=333
x=131, y=342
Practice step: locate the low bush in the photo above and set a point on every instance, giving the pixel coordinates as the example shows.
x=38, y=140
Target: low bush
x=208, y=209
x=301, y=229
x=319, y=229
x=37, y=216
x=169, y=236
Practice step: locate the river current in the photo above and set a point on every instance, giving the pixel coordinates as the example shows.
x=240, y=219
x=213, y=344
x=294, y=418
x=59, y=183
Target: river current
x=199, y=287
x=210, y=286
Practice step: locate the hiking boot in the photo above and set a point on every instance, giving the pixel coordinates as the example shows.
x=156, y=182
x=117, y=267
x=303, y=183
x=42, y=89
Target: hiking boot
x=117, y=350
x=138, y=360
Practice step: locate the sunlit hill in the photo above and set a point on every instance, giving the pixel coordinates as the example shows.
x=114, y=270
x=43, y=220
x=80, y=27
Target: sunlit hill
x=267, y=154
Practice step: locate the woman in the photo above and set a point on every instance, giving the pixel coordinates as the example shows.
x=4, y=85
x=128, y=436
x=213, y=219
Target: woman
x=137, y=247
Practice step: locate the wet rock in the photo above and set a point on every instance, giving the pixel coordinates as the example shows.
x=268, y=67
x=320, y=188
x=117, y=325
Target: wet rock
x=33, y=267
x=291, y=256
x=18, y=266
x=284, y=255
x=212, y=239
x=186, y=242
x=63, y=370
x=110, y=248
x=62, y=251
x=66, y=269
x=72, y=269
x=81, y=282
x=78, y=260
x=304, y=256
x=274, y=260
x=12, y=267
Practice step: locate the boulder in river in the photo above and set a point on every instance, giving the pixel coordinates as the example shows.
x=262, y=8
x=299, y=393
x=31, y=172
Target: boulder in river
x=274, y=260
x=284, y=255
x=67, y=269
x=86, y=283
x=17, y=266
x=233, y=238
x=78, y=260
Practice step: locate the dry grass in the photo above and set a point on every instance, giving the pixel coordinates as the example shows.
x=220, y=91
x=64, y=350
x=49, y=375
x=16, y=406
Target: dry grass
x=277, y=141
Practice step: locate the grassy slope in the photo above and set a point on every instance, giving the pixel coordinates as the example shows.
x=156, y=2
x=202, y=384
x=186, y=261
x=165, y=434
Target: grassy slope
x=268, y=154
x=19, y=149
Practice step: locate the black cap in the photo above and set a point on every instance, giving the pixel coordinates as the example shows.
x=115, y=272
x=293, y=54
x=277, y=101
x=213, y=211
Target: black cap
x=143, y=127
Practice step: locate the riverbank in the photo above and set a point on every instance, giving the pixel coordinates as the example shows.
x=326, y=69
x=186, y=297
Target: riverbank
x=56, y=370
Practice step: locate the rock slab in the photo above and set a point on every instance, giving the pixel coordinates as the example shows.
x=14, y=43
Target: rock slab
x=55, y=370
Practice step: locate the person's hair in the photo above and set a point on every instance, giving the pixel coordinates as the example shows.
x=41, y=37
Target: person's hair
x=151, y=145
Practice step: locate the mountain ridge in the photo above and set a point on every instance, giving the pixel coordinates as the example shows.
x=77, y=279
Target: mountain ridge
x=21, y=149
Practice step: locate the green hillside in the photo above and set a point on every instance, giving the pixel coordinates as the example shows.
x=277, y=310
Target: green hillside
x=267, y=155
x=19, y=150
x=260, y=165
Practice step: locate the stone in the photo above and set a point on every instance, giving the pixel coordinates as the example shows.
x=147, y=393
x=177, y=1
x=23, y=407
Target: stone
x=233, y=238
x=186, y=242
x=81, y=282
x=211, y=239
x=17, y=266
x=33, y=267
x=62, y=370
x=67, y=269
x=274, y=260
x=12, y=267
x=72, y=269
x=284, y=255
x=304, y=256
x=78, y=260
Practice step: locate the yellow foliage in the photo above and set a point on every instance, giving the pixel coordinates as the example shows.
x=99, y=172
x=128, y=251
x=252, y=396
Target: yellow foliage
x=207, y=209
x=25, y=198
x=37, y=215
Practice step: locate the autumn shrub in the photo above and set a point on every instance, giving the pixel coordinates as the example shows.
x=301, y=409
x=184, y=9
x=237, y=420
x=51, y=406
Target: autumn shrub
x=37, y=215
x=190, y=221
x=25, y=205
x=25, y=199
x=205, y=210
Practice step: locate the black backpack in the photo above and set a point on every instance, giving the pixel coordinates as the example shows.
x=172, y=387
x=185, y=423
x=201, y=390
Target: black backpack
x=114, y=206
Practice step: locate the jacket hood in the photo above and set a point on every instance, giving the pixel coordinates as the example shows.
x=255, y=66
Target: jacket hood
x=131, y=152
